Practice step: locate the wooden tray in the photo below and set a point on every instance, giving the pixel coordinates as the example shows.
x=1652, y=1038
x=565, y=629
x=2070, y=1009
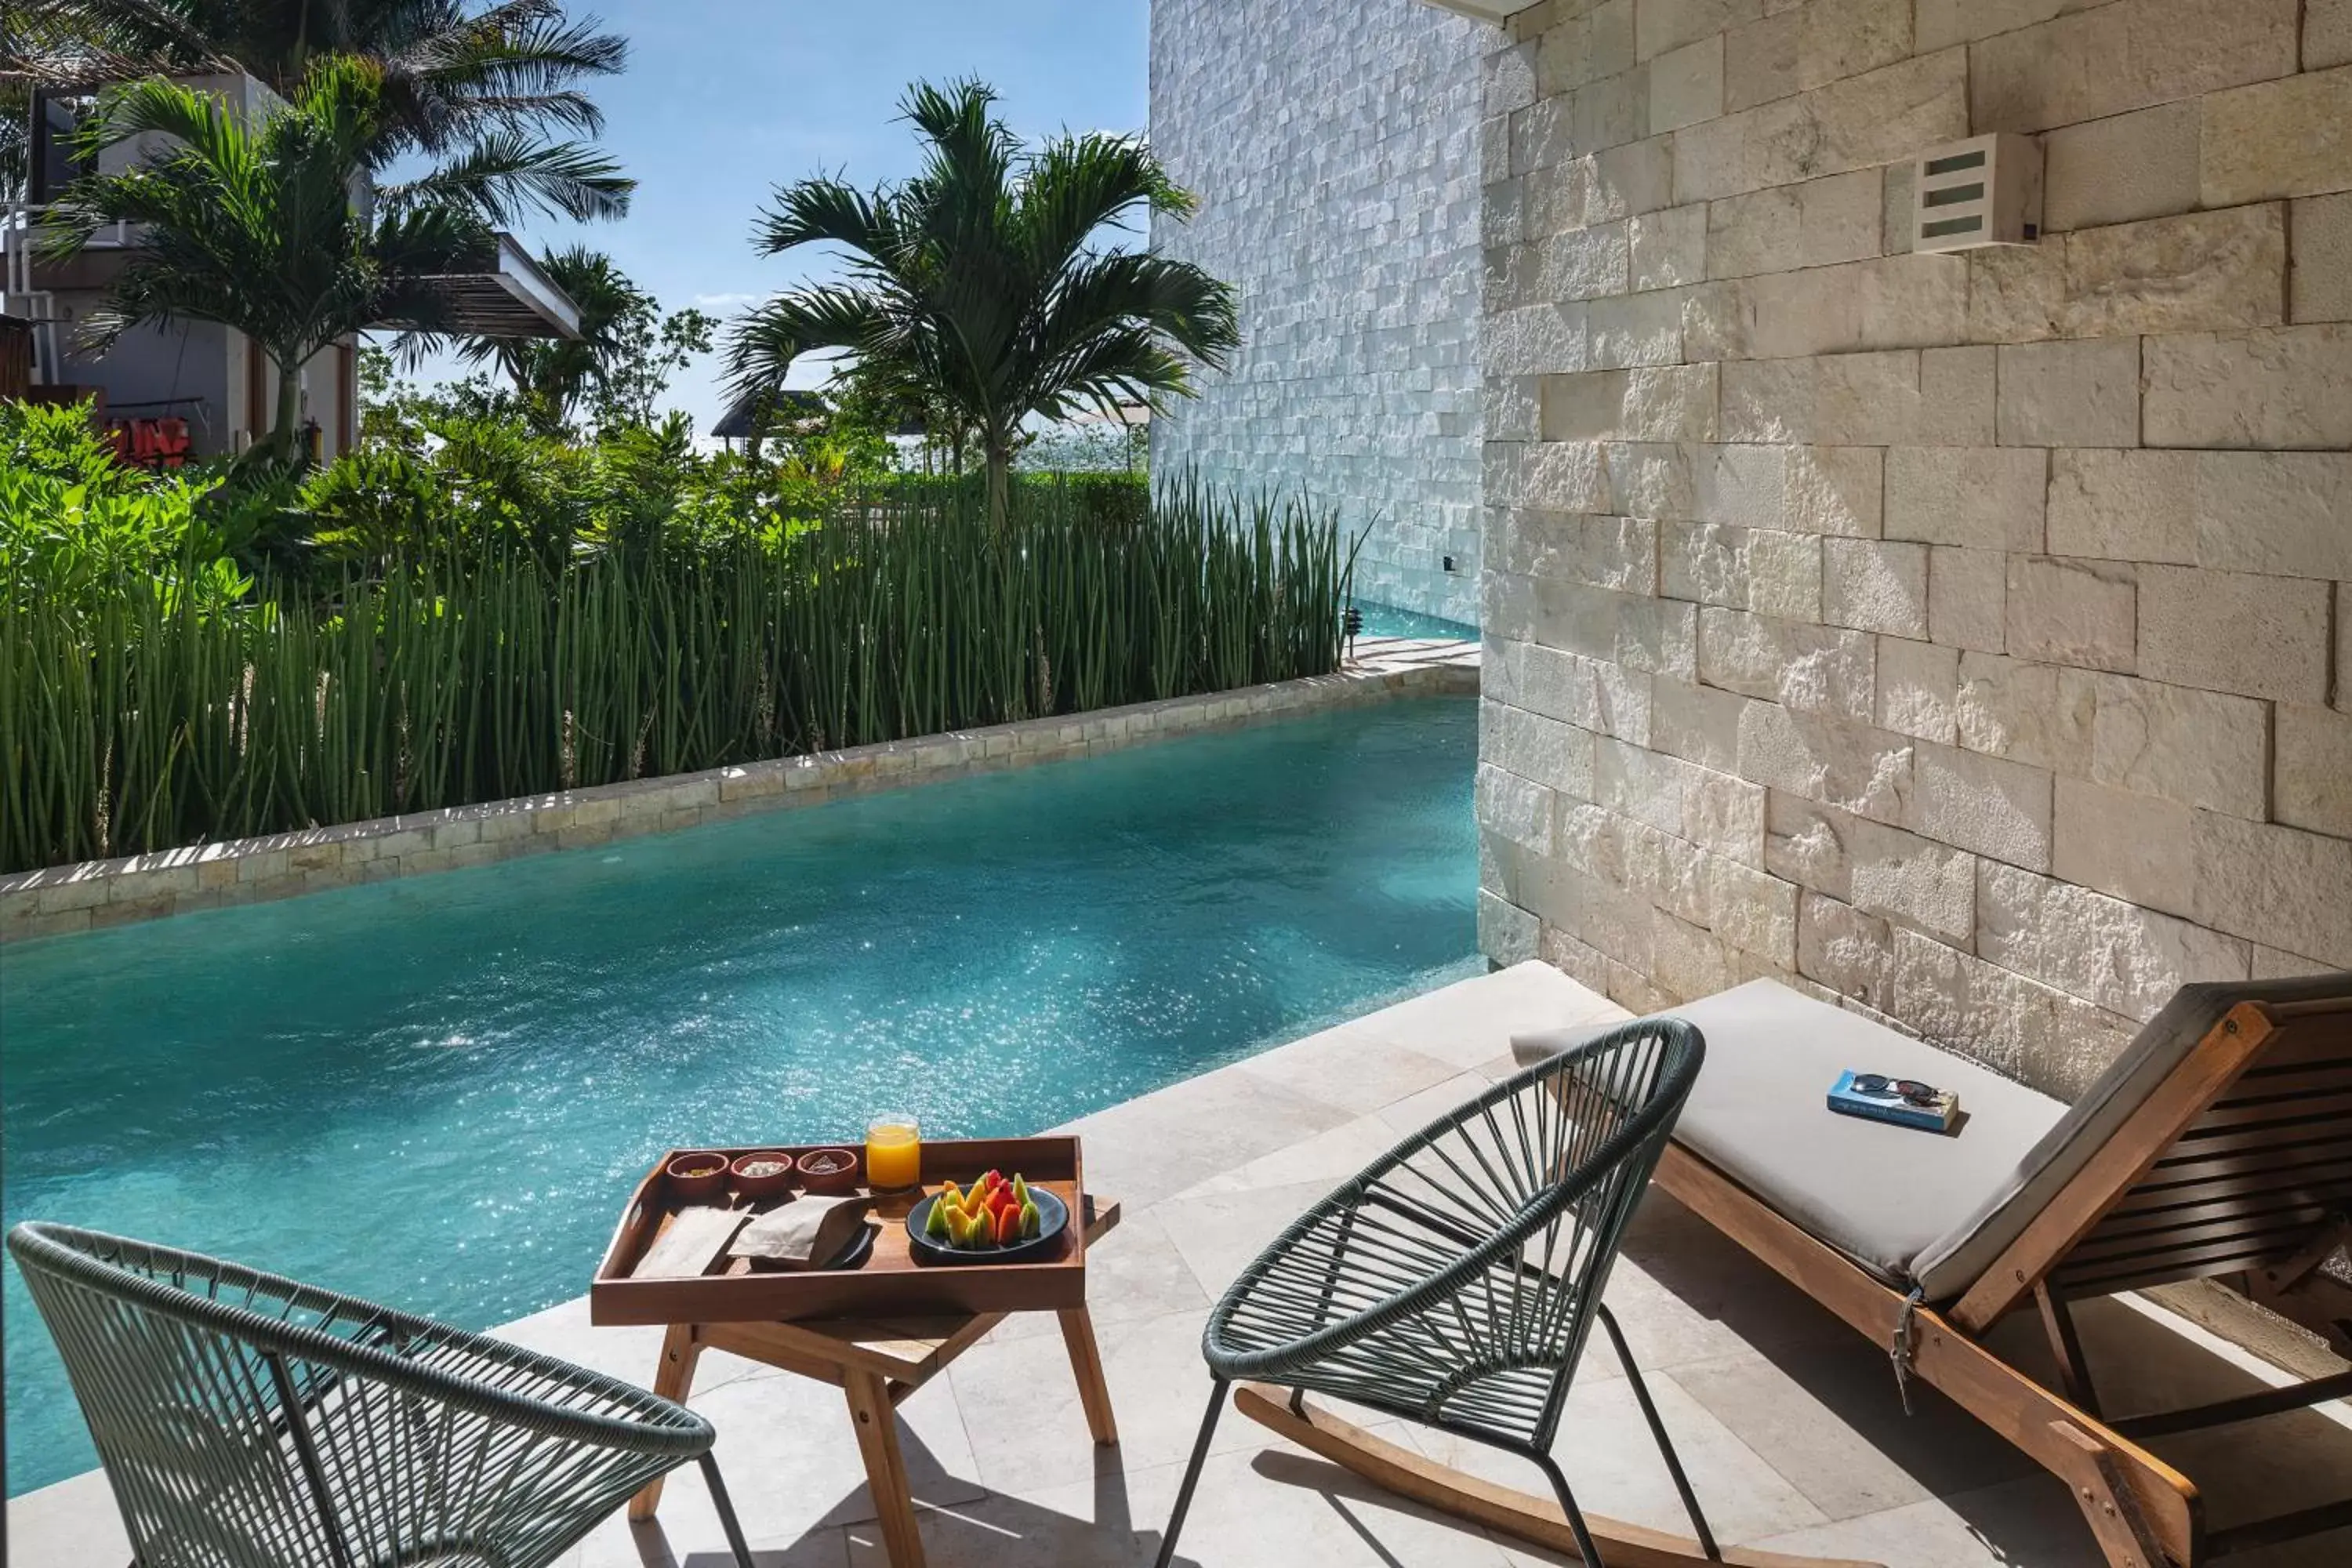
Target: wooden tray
x=891, y=1282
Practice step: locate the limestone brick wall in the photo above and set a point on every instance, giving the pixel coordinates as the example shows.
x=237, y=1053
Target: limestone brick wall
x=1966, y=637
x=1334, y=145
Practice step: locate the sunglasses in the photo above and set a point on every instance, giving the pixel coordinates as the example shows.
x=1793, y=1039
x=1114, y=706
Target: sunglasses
x=1916, y=1093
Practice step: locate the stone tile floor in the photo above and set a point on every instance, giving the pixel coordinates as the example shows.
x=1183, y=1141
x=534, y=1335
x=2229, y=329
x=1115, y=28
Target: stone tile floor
x=1788, y=1422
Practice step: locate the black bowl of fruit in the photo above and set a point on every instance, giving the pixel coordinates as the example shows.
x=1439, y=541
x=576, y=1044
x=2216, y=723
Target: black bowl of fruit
x=994, y=1220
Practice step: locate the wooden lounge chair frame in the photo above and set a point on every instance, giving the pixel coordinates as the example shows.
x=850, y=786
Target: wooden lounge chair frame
x=2215, y=1175
x=2233, y=1169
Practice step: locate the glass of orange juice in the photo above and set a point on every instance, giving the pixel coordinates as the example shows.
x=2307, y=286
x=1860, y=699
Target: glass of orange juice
x=894, y=1153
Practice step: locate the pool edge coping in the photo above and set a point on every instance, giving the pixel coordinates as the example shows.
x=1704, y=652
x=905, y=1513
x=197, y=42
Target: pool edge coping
x=93, y=895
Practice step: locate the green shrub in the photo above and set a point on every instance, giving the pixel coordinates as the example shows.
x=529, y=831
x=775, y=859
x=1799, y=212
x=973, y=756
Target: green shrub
x=57, y=441
x=394, y=674
x=1107, y=497
x=74, y=522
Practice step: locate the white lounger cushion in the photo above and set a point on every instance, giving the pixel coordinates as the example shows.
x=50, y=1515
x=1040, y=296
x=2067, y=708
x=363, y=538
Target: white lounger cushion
x=1913, y=1207
x=1759, y=1113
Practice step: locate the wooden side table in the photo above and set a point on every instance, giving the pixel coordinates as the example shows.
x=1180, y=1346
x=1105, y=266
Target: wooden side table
x=877, y=1362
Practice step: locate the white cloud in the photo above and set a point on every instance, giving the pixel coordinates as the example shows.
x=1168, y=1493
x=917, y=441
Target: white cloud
x=722, y=303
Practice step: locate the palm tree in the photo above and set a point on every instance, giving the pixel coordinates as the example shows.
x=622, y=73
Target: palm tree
x=473, y=90
x=974, y=284
x=254, y=225
x=551, y=375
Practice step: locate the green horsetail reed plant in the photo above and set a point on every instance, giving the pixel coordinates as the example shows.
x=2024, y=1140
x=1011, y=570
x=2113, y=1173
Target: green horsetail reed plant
x=136, y=715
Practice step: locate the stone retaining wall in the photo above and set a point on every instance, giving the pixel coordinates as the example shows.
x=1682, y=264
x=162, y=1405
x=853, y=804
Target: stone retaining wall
x=1965, y=636
x=99, y=893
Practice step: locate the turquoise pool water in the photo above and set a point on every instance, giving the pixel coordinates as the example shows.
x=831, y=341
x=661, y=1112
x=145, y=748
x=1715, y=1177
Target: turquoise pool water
x=1388, y=621
x=437, y=1092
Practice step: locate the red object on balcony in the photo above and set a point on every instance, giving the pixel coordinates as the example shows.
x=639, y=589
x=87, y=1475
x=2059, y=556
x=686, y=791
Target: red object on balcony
x=152, y=443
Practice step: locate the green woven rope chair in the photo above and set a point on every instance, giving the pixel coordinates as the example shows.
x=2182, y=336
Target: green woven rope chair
x=246, y=1421
x=1454, y=1280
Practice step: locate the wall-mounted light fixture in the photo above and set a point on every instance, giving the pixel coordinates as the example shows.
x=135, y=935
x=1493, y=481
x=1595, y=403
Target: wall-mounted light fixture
x=1984, y=191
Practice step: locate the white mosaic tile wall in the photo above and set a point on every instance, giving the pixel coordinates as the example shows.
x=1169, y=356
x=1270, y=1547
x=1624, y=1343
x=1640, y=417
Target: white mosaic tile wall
x=1334, y=145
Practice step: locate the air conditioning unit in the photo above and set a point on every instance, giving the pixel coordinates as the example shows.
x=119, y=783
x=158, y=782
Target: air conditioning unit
x=1984, y=191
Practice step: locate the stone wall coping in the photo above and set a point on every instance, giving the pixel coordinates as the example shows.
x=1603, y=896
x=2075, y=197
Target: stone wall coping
x=90, y=894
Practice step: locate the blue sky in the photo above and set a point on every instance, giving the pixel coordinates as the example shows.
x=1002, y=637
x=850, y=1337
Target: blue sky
x=724, y=100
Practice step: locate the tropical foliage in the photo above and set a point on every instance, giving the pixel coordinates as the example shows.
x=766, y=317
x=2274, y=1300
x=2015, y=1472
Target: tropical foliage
x=616, y=370
x=975, y=291
x=463, y=626
x=254, y=225
x=75, y=522
x=532, y=581
x=484, y=96
x=472, y=430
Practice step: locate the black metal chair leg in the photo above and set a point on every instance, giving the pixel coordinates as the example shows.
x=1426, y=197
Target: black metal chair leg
x=1192, y=1474
x=1658, y=1430
x=726, y=1507
x=1576, y=1527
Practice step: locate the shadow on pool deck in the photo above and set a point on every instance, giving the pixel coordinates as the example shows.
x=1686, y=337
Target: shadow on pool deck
x=1790, y=1422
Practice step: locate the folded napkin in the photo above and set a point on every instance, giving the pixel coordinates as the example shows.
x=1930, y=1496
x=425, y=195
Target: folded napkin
x=689, y=1243
x=806, y=1233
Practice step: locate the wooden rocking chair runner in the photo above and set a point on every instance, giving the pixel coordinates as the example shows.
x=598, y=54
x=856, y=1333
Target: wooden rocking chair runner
x=2218, y=1146
x=1454, y=1281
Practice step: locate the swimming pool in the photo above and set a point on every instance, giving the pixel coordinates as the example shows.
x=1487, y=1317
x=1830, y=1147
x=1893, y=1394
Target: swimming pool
x=437, y=1092
x=1388, y=621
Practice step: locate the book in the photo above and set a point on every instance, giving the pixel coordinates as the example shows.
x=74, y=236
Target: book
x=1874, y=1097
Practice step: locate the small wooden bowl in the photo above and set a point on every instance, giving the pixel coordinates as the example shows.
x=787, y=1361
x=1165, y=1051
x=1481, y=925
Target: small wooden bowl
x=828, y=1172
x=761, y=1186
x=698, y=1176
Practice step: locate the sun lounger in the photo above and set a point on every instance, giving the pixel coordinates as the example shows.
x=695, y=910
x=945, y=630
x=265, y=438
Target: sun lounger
x=2218, y=1146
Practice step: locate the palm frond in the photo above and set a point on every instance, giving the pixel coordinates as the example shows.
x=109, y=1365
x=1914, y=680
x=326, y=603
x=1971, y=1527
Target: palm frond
x=1127, y=364
x=253, y=225
x=1078, y=184
x=506, y=174
x=823, y=209
x=82, y=43
x=456, y=76
x=766, y=342
x=513, y=66
x=200, y=120
x=973, y=286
